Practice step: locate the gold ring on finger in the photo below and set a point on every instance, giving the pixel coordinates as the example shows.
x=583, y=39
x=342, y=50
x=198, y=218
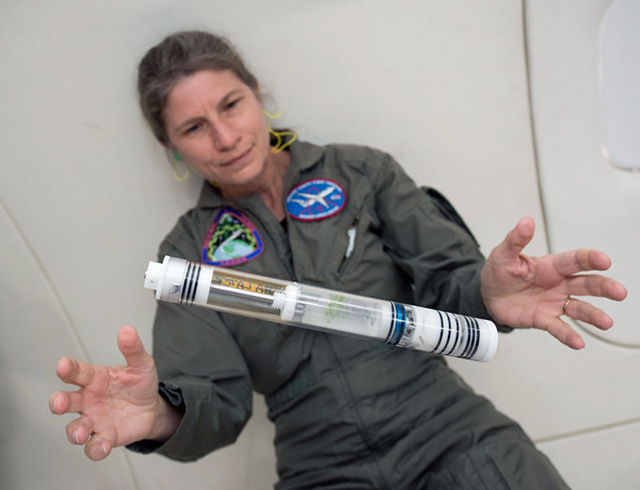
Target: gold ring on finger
x=564, y=306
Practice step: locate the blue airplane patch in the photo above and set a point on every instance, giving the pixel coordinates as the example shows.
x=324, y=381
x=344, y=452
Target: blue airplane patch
x=315, y=199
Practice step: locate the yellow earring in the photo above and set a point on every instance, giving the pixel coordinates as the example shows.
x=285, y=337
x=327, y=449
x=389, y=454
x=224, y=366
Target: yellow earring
x=178, y=158
x=279, y=146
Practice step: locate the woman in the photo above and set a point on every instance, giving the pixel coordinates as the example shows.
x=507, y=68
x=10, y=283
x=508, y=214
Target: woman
x=348, y=413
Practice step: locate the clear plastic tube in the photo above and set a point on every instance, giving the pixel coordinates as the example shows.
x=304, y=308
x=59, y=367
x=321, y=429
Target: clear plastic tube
x=180, y=281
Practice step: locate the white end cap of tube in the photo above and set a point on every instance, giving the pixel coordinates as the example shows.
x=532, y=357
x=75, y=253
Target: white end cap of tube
x=168, y=280
x=153, y=275
x=160, y=277
x=491, y=335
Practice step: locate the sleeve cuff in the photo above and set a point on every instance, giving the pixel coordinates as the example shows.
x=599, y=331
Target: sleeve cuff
x=173, y=395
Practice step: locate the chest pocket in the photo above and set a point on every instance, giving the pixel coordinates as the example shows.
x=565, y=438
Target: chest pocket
x=323, y=248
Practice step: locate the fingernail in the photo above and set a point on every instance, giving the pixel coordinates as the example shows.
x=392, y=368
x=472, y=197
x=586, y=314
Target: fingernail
x=103, y=447
x=53, y=405
x=75, y=437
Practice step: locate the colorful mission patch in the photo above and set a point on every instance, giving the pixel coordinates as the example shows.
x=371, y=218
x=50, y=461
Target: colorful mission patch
x=315, y=200
x=232, y=240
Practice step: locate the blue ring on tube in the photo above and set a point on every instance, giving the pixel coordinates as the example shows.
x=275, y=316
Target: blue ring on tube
x=398, y=325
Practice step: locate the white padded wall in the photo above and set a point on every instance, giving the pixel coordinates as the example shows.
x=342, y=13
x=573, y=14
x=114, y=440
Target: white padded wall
x=589, y=202
x=87, y=194
x=90, y=196
x=36, y=329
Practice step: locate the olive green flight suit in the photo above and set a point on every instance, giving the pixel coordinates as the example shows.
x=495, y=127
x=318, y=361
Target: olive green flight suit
x=348, y=413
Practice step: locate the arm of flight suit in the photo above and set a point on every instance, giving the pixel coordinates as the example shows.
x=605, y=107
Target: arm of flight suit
x=430, y=243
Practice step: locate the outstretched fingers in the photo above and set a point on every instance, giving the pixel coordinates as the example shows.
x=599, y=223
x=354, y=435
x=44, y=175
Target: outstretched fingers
x=103, y=388
x=565, y=334
x=517, y=239
x=595, y=285
x=75, y=372
x=79, y=431
x=97, y=448
x=587, y=313
x=96, y=445
x=576, y=261
x=63, y=402
x=132, y=349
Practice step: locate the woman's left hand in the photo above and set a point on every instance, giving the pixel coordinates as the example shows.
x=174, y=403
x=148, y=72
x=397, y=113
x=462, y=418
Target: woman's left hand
x=523, y=291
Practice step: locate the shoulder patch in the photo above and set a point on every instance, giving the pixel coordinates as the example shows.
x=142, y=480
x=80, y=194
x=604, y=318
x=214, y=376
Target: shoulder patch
x=315, y=200
x=232, y=240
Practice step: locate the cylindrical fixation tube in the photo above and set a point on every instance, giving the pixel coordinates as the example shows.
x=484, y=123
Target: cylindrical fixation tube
x=229, y=291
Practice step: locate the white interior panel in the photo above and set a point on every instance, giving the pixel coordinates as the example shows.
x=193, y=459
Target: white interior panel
x=35, y=330
x=440, y=85
x=552, y=391
x=602, y=459
x=619, y=81
x=589, y=202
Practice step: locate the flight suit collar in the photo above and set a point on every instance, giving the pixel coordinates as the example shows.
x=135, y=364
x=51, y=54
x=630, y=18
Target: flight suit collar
x=303, y=157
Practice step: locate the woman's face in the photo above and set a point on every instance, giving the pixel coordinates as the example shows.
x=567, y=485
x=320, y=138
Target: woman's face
x=217, y=124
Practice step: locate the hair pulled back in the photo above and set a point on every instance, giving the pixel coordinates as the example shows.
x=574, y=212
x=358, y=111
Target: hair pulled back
x=177, y=56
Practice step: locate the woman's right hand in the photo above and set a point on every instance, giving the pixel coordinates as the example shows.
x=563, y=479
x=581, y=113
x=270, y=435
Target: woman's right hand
x=118, y=405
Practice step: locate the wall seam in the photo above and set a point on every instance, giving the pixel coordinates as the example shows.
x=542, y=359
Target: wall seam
x=63, y=309
x=589, y=430
x=534, y=140
x=65, y=312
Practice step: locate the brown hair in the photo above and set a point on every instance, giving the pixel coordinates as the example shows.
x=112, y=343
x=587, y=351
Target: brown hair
x=177, y=56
